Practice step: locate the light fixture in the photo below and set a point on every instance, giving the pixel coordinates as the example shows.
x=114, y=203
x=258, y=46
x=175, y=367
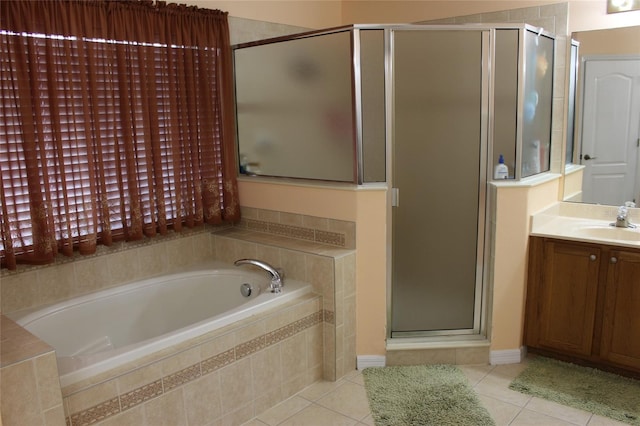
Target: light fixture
x=615, y=6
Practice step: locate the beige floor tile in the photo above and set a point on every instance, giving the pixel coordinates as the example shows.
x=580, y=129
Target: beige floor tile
x=497, y=387
x=315, y=415
x=501, y=412
x=367, y=421
x=349, y=399
x=283, y=411
x=533, y=418
x=254, y=422
x=508, y=371
x=355, y=377
x=475, y=373
x=569, y=414
x=345, y=403
x=319, y=389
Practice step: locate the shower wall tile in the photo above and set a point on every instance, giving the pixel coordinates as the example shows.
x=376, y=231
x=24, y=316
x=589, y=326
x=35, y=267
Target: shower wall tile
x=548, y=23
x=523, y=15
x=245, y=30
x=492, y=17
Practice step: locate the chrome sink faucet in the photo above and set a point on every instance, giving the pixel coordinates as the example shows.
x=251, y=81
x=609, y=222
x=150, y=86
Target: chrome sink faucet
x=277, y=280
x=622, y=219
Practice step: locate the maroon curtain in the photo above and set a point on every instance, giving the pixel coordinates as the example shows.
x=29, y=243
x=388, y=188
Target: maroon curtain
x=117, y=123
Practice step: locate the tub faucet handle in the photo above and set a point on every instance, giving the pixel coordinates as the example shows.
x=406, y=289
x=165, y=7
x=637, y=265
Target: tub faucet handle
x=277, y=275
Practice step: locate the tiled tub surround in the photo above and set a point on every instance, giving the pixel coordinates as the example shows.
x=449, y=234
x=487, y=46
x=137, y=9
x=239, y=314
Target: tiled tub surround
x=325, y=334
x=29, y=386
x=332, y=232
x=224, y=377
x=331, y=272
x=32, y=286
x=99, y=332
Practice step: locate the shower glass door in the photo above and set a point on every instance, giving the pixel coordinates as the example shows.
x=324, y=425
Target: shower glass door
x=439, y=92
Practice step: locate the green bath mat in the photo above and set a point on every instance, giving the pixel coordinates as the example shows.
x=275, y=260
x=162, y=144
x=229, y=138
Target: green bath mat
x=588, y=389
x=423, y=395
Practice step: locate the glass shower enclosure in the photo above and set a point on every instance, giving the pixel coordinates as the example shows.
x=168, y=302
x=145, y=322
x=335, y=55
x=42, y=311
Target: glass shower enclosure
x=425, y=109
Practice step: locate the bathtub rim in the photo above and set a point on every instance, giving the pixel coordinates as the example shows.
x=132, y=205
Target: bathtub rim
x=25, y=316
x=138, y=352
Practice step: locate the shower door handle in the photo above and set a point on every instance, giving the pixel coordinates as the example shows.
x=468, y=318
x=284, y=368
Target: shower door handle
x=395, y=197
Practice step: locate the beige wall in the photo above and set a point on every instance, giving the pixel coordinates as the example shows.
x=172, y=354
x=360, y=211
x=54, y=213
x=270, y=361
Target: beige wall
x=303, y=13
x=585, y=14
x=617, y=41
x=514, y=206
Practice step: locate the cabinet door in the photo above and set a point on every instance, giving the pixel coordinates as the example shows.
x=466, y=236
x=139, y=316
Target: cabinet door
x=621, y=326
x=567, y=303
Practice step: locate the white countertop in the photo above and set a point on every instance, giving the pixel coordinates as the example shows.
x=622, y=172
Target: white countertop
x=589, y=223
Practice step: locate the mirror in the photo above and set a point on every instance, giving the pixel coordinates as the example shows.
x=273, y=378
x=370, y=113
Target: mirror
x=596, y=168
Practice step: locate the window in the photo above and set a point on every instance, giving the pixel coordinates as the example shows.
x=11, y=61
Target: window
x=111, y=136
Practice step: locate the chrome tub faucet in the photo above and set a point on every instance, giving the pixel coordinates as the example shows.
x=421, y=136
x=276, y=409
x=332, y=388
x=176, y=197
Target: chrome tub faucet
x=277, y=278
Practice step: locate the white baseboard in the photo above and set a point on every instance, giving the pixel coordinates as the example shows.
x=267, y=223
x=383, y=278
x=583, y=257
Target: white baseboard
x=364, y=361
x=509, y=356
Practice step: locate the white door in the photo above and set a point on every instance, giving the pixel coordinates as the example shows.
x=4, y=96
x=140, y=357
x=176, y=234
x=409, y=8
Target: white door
x=610, y=123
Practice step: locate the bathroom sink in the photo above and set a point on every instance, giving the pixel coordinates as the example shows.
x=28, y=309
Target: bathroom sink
x=611, y=233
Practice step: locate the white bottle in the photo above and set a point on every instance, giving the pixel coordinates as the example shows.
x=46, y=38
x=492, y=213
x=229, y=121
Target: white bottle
x=502, y=171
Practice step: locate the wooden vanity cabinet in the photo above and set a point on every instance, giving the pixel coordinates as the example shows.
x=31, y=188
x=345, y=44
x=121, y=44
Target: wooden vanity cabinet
x=621, y=319
x=583, y=302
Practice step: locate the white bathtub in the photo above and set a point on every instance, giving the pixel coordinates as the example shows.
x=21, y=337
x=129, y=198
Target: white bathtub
x=95, y=333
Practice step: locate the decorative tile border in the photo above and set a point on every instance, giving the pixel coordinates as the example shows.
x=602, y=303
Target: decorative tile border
x=140, y=395
x=96, y=413
x=329, y=317
x=332, y=238
x=154, y=389
x=336, y=239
